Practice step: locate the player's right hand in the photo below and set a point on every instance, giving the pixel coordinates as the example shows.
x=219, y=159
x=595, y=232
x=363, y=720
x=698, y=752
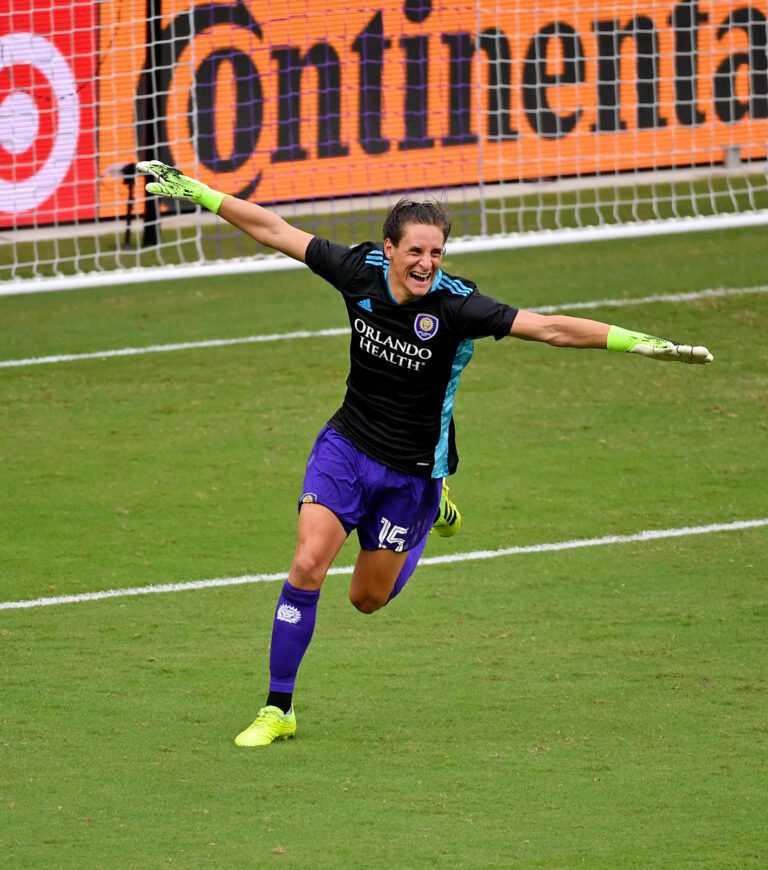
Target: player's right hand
x=175, y=185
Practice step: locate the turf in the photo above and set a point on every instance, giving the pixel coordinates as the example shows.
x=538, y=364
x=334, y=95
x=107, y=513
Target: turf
x=598, y=707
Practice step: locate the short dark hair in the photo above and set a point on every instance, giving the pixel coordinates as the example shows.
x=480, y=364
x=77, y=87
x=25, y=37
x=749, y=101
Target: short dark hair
x=407, y=211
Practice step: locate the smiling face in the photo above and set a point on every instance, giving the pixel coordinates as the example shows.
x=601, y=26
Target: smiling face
x=414, y=261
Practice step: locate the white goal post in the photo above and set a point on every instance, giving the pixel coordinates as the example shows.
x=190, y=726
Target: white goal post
x=538, y=121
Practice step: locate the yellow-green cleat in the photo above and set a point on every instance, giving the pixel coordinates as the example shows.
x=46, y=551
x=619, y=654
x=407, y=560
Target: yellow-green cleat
x=448, y=521
x=271, y=724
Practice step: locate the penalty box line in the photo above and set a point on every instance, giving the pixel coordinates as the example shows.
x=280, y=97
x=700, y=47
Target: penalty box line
x=648, y=535
x=694, y=296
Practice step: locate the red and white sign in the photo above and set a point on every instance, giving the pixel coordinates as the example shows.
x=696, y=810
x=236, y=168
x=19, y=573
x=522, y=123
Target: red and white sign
x=47, y=113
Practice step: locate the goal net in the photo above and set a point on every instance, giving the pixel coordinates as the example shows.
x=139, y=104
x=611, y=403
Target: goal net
x=538, y=121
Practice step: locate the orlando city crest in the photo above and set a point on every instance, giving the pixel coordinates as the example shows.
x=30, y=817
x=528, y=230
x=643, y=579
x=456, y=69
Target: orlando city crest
x=425, y=326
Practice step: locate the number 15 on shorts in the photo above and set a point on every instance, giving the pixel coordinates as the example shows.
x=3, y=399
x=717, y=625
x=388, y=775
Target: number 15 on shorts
x=390, y=536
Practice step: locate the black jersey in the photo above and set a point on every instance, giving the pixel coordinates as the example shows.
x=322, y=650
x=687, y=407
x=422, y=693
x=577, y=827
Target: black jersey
x=405, y=360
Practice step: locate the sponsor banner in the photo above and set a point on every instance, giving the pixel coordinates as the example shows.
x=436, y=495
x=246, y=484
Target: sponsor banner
x=47, y=112
x=320, y=98
x=327, y=99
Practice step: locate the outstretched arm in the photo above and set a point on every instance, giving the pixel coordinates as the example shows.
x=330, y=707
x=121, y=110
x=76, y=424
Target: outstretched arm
x=265, y=226
x=259, y=223
x=563, y=331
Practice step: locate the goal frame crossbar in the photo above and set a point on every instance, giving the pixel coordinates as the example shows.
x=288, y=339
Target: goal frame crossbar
x=279, y=262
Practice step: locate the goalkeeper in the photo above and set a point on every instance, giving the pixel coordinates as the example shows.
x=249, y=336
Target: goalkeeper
x=379, y=465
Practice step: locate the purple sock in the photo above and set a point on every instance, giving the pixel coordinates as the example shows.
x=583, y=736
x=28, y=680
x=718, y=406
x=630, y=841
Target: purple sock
x=409, y=566
x=291, y=633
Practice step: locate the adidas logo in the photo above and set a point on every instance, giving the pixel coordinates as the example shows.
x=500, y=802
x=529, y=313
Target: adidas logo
x=365, y=304
x=288, y=613
x=449, y=516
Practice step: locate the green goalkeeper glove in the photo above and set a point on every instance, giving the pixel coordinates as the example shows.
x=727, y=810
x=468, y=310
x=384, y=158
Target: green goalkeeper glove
x=655, y=347
x=177, y=186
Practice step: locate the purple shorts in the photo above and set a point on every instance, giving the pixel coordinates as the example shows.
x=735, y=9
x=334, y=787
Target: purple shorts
x=389, y=509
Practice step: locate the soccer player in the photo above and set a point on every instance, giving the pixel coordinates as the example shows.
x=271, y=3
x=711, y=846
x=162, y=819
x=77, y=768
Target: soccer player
x=379, y=464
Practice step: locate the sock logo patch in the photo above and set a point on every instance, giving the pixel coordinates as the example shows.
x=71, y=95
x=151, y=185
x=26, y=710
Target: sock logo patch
x=288, y=613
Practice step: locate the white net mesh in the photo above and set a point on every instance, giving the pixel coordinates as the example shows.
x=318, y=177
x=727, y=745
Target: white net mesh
x=538, y=121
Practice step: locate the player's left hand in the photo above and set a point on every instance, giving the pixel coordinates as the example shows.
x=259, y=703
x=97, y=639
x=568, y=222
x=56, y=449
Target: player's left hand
x=656, y=348
x=670, y=351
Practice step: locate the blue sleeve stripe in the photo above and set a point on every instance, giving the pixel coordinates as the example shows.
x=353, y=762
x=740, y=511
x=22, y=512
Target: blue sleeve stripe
x=378, y=261
x=455, y=286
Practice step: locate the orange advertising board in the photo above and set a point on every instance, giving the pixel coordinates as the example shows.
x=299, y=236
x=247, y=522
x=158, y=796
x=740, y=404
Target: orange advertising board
x=306, y=99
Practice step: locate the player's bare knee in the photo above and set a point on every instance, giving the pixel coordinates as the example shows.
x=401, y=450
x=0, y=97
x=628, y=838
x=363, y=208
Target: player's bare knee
x=307, y=570
x=366, y=603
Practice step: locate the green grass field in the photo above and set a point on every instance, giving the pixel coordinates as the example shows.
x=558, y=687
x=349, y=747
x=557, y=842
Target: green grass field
x=601, y=707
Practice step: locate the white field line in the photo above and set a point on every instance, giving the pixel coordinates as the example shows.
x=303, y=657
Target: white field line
x=649, y=535
x=694, y=296
x=164, y=348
